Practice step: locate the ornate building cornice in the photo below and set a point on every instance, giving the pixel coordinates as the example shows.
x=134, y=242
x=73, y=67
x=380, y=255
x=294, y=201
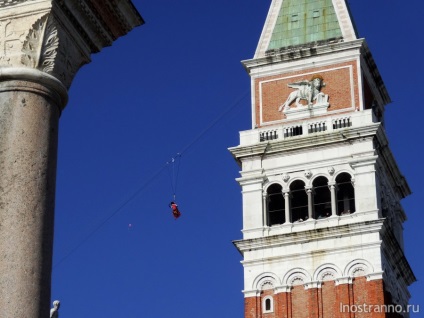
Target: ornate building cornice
x=309, y=141
x=248, y=245
x=7, y=3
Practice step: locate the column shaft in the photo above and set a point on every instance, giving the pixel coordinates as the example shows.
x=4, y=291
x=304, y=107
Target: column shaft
x=287, y=206
x=265, y=218
x=28, y=153
x=333, y=199
x=310, y=205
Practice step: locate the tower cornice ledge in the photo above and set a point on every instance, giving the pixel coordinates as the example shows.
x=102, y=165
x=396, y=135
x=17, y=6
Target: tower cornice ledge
x=307, y=236
x=58, y=37
x=301, y=142
x=312, y=49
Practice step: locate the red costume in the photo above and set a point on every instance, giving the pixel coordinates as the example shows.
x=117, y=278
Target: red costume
x=175, y=212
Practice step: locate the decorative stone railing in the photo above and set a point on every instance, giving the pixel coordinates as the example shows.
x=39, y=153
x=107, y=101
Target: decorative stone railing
x=292, y=131
x=317, y=127
x=343, y=122
x=268, y=135
x=307, y=127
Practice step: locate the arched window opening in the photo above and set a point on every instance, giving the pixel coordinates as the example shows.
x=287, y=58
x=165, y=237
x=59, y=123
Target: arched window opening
x=345, y=194
x=267, y=304
x=299, y=201
x=276, y=204
x=322, y=198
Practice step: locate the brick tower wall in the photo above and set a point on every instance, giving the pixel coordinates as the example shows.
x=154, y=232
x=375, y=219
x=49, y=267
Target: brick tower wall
x=328, y=301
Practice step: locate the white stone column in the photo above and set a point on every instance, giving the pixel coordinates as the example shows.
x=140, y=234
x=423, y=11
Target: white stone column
x=39, y=57
x=265, y=211
x=286, y=194
x=310, y=205
x=332, y=186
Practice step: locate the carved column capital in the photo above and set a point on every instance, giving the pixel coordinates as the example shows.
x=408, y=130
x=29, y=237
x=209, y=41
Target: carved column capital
x=58, y=37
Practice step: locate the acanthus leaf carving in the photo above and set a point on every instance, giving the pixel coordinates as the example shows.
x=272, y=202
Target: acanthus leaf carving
x=50, y=50
x=41, y=45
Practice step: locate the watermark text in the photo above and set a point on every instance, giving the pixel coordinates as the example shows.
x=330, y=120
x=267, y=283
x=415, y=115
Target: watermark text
x=367, y=308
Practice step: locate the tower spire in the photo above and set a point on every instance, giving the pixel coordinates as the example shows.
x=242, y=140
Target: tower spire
x=295, y=23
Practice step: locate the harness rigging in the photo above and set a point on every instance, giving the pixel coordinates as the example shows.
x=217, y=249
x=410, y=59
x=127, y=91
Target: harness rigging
x=173, y=169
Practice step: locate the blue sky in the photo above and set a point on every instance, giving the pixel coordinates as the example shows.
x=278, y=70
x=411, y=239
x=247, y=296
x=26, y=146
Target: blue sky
x=158, y=91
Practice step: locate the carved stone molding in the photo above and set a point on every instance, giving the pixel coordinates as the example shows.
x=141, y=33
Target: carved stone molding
x=41, y=45
x=315, y=284
x=11, y=39
x=267, y=284
x=297, y=280
x=343, y=280
x=56, y=90
x=7, y=3
x=308, y=174
x=40, y=42
x=328, y=275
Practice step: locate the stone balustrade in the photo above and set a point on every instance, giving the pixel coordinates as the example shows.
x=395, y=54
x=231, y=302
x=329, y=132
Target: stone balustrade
x=329, y=124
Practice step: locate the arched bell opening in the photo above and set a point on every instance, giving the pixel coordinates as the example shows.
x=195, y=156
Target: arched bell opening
x=299, y=201
x=322, y=198
x=345, y=194
x=275, y=205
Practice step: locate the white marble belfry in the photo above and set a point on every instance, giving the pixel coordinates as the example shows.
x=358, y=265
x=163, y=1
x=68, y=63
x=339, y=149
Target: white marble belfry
x=43, y=43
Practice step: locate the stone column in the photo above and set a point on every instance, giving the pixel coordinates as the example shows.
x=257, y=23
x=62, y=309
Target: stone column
x=332, y=186
x=265, y=210
x=286, y=194
x=39, y=56
x=310, y=203
x=29, y=114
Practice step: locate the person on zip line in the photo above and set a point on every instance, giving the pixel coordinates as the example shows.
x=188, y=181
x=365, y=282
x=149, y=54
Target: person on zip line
x=175, y=212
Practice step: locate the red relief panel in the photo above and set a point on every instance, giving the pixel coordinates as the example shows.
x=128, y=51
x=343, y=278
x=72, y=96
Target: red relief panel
x=341, y=86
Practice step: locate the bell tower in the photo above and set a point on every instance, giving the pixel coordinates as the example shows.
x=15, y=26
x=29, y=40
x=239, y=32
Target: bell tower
x=321, y=191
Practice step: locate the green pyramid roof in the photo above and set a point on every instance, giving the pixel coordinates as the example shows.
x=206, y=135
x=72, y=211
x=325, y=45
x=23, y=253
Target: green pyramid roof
x=304, y=21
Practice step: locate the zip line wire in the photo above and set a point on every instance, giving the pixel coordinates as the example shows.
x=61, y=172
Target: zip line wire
x=174, y=175
x=153, y=177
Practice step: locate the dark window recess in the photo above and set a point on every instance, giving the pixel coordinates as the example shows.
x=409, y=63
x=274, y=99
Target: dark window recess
x=276, y=205
x=299, y=201
x=345, y=194
x=268, y=304
x=322, y=198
